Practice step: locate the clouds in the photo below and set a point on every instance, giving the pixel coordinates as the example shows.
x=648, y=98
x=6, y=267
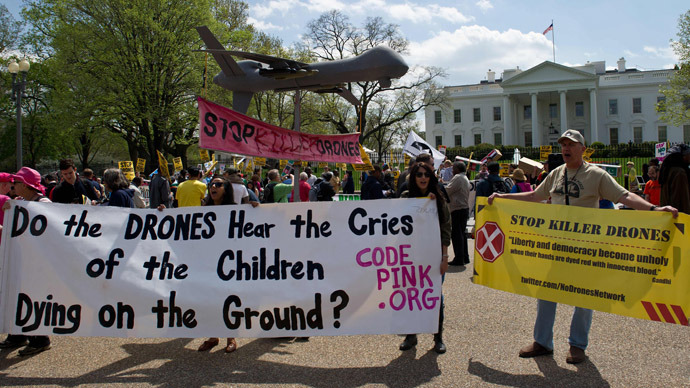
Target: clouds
x=469, y=51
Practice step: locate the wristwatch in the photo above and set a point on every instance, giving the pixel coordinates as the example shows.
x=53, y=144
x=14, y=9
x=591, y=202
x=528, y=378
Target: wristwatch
x=652, y=208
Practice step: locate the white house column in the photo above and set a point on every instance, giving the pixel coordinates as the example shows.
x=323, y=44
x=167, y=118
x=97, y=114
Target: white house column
x=536, y=135
x=593, y=115
x=507, y=120
x=564, y=112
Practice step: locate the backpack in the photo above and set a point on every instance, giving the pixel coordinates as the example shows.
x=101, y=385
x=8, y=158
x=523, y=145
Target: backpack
x=268, y=193
x=500, y=186
x=315, y=191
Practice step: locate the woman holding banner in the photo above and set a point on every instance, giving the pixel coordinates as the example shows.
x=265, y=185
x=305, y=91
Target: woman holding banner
x=118, y=187
x=423, y=183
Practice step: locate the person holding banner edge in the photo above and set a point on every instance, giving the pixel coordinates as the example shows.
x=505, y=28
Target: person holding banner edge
x=423, y=183
x=576, y=183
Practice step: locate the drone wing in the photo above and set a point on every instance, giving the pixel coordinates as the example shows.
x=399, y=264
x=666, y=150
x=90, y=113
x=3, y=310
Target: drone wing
x=225, y=61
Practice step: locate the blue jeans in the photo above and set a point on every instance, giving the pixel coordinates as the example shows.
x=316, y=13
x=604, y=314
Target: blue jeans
x=579, y=326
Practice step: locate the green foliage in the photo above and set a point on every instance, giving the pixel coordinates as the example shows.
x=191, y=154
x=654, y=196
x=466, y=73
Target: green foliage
x=675, y=109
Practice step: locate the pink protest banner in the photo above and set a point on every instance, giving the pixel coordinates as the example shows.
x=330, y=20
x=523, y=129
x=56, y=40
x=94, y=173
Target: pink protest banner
x=223, y=129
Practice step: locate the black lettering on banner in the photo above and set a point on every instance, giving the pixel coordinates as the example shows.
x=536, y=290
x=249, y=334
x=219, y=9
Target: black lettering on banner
x=167, y=269
x=387, y=225
x=177, y=318
x=37, y=225
x=236, y=131
x=109, y=315
x=96, y=266
x=313, y=228
x=290, y=318
x=185, y=226
x=210, y=127
x=52, y=314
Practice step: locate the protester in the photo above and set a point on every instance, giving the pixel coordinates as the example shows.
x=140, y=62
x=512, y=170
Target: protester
x=220, y=192
x=423, y=183
x=446, y=172
x=304, y=188
x=311, y=178
x=335, y=181
x=326, y=190
x=118, y=187
x=191, y=192
x=159, y=191
x=632, y=177
x=586, y=183
x=348, y=183
x=652, y=189
x=51, y=181
x=521, y=184
x=483, y=172
x=72, y=189
x=403, y=177
x=492, y=183
x=5, y=186
x=90, y=179
x=372, y=188
x=27, y=183
x=674, y=178
x=276, y=191
x=238, y=188
x=138, y=197
x=458, y=189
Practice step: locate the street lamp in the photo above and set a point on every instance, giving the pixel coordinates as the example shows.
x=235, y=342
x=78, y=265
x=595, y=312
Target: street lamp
x=18, y=88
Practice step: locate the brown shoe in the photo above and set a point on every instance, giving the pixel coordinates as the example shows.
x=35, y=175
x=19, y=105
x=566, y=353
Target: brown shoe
x=534, y=350
x=208, y=344
x=231, y=346
x=575, y=355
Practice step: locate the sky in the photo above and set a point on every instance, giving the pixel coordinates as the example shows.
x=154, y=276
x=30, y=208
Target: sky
x=469, y=37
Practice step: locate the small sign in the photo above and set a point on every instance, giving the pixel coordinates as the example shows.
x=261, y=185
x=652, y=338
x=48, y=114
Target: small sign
x=504, y=169
x=323, y=164
x=204, y=155
x=260, y=162
x=366, y=165
x=127, y=168
x=442, y=149
x=141, y=165
x=163, y=165
x=544, y=152
x=660, y=150
x=177, y=163
x=283, y=163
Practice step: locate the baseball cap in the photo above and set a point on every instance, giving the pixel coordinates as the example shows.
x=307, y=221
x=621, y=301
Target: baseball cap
x=572, y=135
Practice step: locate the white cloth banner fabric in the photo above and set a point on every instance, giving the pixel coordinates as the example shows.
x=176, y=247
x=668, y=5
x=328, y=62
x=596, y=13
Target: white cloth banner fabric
x=415, y=145
x=300, y=269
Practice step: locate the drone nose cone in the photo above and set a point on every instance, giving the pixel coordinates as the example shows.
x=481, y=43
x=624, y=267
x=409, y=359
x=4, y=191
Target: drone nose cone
x=389, y=59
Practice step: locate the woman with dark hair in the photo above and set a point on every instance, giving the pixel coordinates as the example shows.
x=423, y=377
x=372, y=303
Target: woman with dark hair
x=423, y=183
x=219, y=193
x=674, y=178
x=120, y=193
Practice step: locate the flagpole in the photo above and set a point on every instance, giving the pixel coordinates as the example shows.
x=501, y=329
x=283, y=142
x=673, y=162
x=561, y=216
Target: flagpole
x=553, y=41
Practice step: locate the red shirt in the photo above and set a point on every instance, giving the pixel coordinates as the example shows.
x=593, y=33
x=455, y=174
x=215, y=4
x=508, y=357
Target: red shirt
x=653, y=189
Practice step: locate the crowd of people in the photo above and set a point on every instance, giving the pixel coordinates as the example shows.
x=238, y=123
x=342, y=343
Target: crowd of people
x=575, y=183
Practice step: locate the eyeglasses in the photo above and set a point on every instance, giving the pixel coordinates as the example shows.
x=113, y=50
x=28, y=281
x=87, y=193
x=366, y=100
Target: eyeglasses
x=217, y=184
x=423, y=174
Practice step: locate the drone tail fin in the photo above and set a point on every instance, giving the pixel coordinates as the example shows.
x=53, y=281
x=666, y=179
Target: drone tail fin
x=225, y=61
x=241, y=100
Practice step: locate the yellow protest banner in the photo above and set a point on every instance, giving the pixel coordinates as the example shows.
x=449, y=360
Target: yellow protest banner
x=260, y=162
x=163, y=165
x=342, y=166
x=177, y=162
x=544, y=152
x=283, y=163
x=141, y=165
x=366, y=162
x=248, y=166
x=631, y=263
x=587, y=155
x=323, y=164
x=407, y=159
x=127, y=168
x=204, y=155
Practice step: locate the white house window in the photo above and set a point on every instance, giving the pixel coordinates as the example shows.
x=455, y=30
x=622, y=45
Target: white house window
x=553, y=111
x=662, y=133
x=439, y=141
x=498, y=138
x=637, y=135
x=613, y=136
x=686, y=134
x=579, y=109
x=661, y=103
x=477, y=112
x=613, y=107
x=438, y=119
x=477, y=138
x=458, y=140
x=457, y=116
x=527, y=112
x=637, y=105
x=497, y=113
x=528, y=139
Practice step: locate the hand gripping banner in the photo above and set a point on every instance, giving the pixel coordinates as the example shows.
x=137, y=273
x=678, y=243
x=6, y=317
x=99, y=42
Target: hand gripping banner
x=625, y=262
x=223, y=129
x=302, y=269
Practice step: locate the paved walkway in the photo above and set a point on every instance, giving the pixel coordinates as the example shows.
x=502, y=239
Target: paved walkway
x=484, y=330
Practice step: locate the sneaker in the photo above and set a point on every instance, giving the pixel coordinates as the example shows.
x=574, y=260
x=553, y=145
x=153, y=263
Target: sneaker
x=575, y=355
x=409, y=342
x=439, y=346
x=29, y=350
x=534, y=350
x=9, y=344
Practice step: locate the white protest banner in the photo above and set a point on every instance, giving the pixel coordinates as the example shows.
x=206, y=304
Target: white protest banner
x=415, y=145
x=302, y=269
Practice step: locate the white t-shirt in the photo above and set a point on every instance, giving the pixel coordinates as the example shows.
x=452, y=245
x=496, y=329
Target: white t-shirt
x=239, y=191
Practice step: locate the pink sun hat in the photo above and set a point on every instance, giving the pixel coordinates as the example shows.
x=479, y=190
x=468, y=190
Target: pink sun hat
x=30, y=177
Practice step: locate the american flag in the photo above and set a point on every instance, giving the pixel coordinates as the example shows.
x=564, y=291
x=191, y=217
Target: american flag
x=549, y=28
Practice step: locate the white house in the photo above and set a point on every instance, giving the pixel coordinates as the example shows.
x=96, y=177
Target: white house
x=532, y=107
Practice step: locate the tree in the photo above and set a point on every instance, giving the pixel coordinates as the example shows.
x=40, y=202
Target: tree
x=384, y=111
x=9, y=29
x=675, y=108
